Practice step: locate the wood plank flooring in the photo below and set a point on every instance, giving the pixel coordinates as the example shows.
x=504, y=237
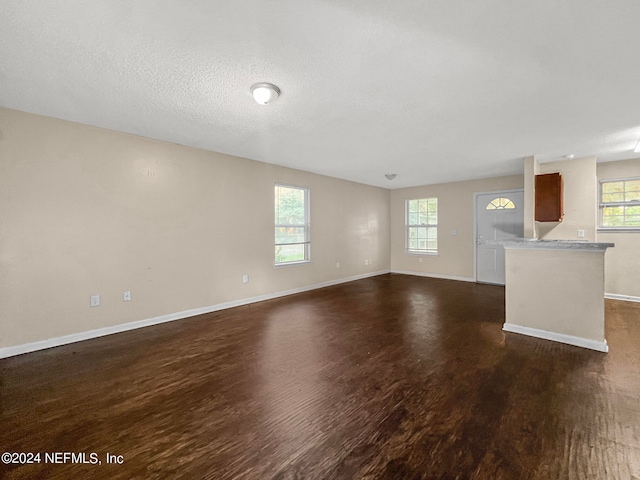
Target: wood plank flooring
x=392, y=377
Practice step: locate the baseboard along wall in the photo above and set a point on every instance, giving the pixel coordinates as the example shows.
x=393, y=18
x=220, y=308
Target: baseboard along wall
x=625, y=298
x=557, y=337
x=435, y=275
x=101, y=332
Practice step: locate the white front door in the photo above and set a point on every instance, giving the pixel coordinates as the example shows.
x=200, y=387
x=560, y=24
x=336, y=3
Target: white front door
x=498, y=216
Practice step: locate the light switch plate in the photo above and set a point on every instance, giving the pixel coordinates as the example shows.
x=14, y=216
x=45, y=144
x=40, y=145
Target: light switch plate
x=95, y=301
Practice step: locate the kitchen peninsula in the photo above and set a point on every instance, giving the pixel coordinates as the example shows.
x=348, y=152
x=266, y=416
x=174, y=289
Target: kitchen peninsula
x=555, y=290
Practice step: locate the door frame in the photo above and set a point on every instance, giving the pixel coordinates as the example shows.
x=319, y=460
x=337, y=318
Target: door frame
x=475, y=222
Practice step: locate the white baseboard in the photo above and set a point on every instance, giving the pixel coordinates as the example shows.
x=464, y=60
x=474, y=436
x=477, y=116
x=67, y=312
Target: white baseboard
x=101, y=332
x=435, y=275
x=557, y=337
x=626, y=298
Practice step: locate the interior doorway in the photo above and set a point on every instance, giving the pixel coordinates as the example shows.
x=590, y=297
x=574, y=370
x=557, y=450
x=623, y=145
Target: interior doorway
x=499, y=216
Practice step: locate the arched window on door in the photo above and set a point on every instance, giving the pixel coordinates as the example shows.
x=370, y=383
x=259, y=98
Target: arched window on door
x=500, y=203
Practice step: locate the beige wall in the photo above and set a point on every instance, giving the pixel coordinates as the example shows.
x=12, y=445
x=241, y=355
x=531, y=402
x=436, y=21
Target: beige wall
x=580, y=200
x=531, y=169
x=558, y=291
x=622, y=264
x=89, y=211
x=455, y=212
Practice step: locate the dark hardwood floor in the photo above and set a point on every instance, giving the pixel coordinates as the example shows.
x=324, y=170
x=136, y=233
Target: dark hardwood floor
x=392, y=377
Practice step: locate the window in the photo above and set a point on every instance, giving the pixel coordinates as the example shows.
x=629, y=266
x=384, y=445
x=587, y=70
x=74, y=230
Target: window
x=292, y=224
x=620, y=204
x=422, y=225
x=500, y=203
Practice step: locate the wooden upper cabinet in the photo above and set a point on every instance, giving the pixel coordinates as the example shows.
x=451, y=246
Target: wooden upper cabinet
x=549, y=198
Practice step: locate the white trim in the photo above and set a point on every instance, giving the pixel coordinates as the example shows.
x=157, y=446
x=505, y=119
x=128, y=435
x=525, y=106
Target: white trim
x=557, y=337
x=475, y=222
x=101, y=332
x=619, y=229
x=601, y=180
x=407, y=226
x=435, y=275
x=292, y=264
x=626, y=298
x=601, y=205
x=307, y=225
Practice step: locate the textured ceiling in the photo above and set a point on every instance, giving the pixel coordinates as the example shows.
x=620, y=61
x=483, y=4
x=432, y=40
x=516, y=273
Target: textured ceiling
x=432, y=91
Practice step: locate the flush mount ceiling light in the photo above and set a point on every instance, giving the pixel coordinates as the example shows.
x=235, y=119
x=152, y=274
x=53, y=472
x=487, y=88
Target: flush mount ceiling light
x=265, y=93
x=391, y=176
x=637, y=149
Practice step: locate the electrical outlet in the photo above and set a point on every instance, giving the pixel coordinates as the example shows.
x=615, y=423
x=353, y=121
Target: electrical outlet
x=337, y=264
x=95, y=301
x=245, y=278
x=580, y=233
x=419, y=259
x=126, y=296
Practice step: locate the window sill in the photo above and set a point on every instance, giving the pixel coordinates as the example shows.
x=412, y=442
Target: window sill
x=422, y=254
x=619, y=230
x=292, y=264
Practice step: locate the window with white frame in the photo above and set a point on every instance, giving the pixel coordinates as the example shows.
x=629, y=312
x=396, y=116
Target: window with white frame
x=292, y=238
x=620, y=204
x=422, y=225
